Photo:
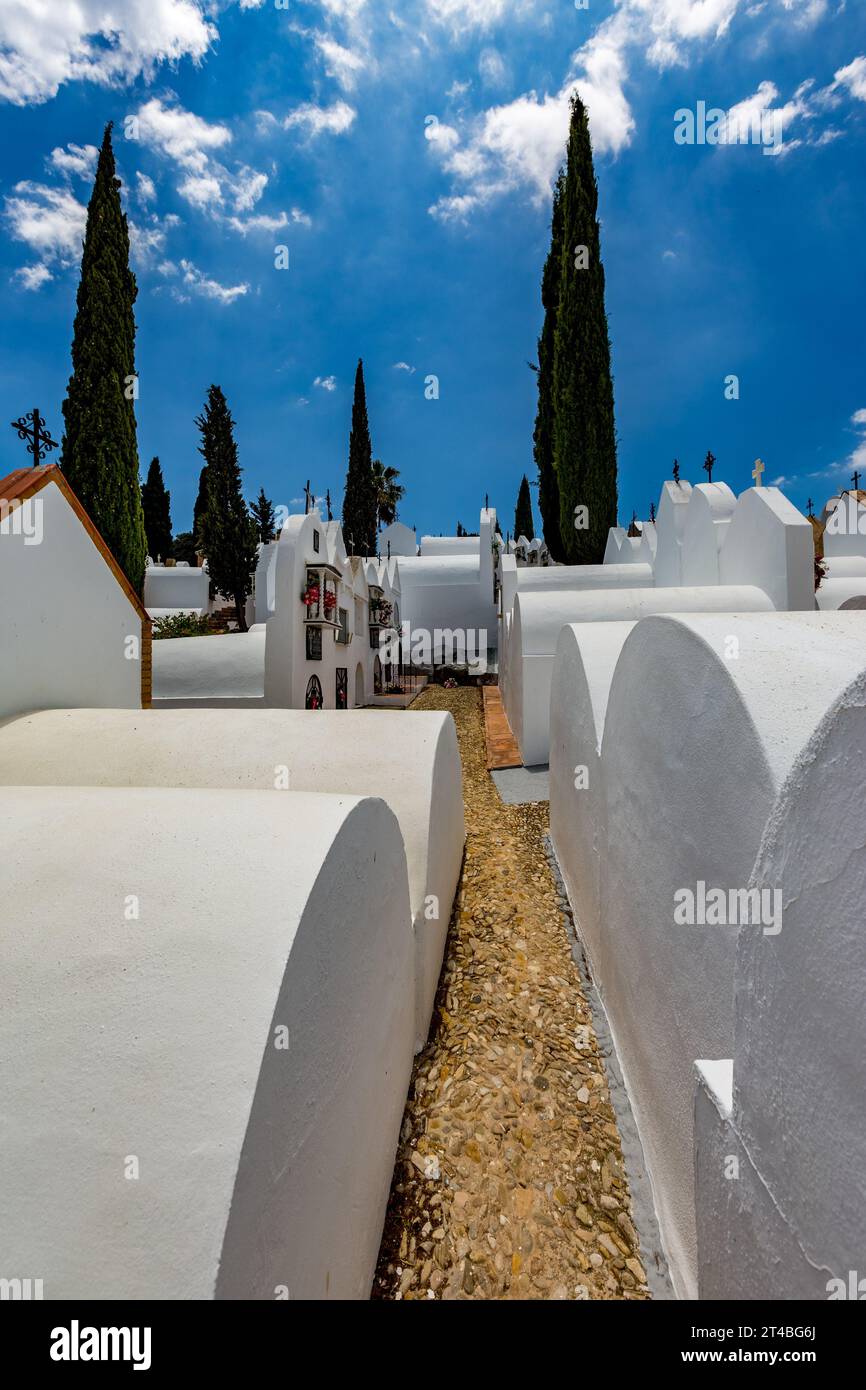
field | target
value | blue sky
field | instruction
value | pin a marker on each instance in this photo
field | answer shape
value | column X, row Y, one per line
column 403, row 154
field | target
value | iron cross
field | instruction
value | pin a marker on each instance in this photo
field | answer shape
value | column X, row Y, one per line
column 708, row 465
column 41, row 442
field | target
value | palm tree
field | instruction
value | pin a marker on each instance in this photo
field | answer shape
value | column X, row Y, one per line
column 388, row 493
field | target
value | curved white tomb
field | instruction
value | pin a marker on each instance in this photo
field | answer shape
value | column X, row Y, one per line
column 793, row 1225
column 201, row 1100
column 586, row 657
column 538, row 619
column 705, row 717
column 411, row 761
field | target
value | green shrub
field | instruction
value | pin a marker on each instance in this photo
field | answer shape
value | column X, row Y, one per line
column 181, row 625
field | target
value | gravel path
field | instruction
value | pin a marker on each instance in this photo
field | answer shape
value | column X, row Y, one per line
column 509, row 1180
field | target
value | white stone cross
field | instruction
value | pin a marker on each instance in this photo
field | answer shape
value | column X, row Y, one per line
column 758, row 470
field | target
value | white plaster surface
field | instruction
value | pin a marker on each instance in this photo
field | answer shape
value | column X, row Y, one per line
column 539, row 617
column 796, row 1219
column 222, row 666
column 65, row 622
column 258, row 1167
column 696, row 745
column 670, row 528
column 176, row 587
column 771, row 544
column 585, row 661
column 834, row 592
column 711, row 507
column 411, row 761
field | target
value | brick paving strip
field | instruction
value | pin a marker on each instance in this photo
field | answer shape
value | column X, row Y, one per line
column 509, row 1181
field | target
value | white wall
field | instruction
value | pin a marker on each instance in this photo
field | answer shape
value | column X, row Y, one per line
column 65, row 622
column 698, row 737
column 795, row 1219
column 539, row 617
column 259, row 1166
column 771, row 544
column 176, row 587
column 411, row 762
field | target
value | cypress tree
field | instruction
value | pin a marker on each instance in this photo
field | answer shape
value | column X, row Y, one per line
column 548, row 488
column 228, row 531
column 156, row 505
column 99, row 454
column 584, row 430
column 263, row 515
column 523, row 525
column 200, row 508
column 359, row 500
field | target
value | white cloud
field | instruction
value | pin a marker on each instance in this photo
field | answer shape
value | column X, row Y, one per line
column 202, row 285
column 341, row 63
column 75, row 159
column 31, row 277
column 180, row 135
column 326, row 383
column 854, row 78
column 203, row 191
column 44, row 44
column 265, row 222
column 462, row 15
column 859, row 418
column 248, row 189
column 145, row 188
column 439, row 134
column 404, row 367
column 491, row 68
column 51, row 221
column 318, row 120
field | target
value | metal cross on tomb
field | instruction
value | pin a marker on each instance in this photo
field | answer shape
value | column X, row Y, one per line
column 328, row 504
column 307, row 498
column 676, row 471
column 856, row 481
column 30, row 427
column 809, row 507
column 758, row 470
column 708, row 465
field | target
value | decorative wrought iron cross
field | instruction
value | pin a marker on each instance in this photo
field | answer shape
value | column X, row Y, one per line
column 856, row 481
column 328, row 504
column 30, row 427
column 676, row 471
column 307, row 498
column 652, row 511
column 809, row 505
column 708, row 465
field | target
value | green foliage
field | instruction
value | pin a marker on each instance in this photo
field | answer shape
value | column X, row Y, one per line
column 389, row 493
column 264, row 516
column 183, row 547
column 181, row 625
column 359, row 500
column 99, row 454
column 523, row 525
column 548, row 487
column 584, row 431
column 228, row 531
column 156, row 505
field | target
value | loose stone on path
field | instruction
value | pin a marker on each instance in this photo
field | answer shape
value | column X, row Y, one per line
column 509, row 1181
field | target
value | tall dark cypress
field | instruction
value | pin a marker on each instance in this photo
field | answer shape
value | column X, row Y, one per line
column 156, row 505
column 548, row 488
column 200, row 507
column 584, row 429
column 100, row 453
column 359, row 500
column 523, row 525
column 262, row 513
column 228, row 531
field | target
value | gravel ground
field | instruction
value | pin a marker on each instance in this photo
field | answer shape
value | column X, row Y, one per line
column 509, row 1180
